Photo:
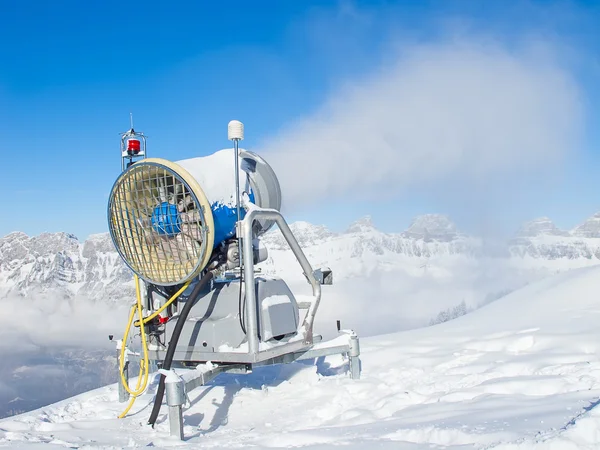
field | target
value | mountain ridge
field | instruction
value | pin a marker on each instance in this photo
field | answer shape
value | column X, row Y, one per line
column 60, row 262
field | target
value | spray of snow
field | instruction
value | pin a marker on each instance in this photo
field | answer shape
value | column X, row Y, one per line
column 465, row 112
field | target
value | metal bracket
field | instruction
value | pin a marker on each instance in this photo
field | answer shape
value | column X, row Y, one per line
column 324, row 275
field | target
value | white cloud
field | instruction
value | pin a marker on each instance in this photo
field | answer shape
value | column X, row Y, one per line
column 54, row 347
column 375, row 297
column 474, row 112
column 49, row 320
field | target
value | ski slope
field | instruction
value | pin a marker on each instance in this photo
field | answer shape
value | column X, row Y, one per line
column 520, row 373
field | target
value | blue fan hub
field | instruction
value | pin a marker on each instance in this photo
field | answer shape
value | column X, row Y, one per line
column 166, row 219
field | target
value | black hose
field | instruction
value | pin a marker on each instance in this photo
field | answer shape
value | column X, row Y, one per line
column 160, row 392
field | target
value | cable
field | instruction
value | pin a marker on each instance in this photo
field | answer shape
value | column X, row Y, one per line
column 160, row 392
column 143, row 374
column 163, row 307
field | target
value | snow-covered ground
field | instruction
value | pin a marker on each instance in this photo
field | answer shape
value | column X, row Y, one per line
column 522, row 372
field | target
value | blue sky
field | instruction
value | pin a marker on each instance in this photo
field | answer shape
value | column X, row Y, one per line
column 70, row 73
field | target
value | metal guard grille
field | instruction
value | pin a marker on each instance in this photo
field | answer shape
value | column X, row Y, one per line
column 157, row 224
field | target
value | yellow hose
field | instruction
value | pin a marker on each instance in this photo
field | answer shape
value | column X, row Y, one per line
column 163, row 307
column 144, row 372
column 132, row 400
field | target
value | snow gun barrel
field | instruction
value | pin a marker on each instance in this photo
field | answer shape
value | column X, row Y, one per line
column 165, row 218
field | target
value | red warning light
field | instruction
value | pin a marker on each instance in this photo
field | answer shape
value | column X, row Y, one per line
column 133, row 146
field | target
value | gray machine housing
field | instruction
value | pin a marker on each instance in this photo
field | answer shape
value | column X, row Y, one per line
column 214, row 323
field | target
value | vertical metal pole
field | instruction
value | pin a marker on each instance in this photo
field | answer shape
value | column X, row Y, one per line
column 237, row 177
column 237, row 199
column 123, row 394
column 176, row 421
column 122, row 157
column 152, row 365
column 235, row 133
column 354, row 357
column 175, row 399
column 252, row 322
column 175, row 390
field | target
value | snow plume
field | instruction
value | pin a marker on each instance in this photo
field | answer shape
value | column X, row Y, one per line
column 464, row 112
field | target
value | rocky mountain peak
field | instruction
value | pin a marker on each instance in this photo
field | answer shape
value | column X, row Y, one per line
column 15, row 235
column 50, row 243
column 590, row 228
column 101, row 243
column 18, row 245
column 538, row 227
column 13, row 246
column 59, row 262
column 437, row 227
column 306, row 234
column 361, row 225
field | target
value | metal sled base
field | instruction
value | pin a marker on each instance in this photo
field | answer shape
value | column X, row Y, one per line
column 182, row 381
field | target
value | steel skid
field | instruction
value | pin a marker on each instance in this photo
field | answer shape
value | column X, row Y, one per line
column 304, row 345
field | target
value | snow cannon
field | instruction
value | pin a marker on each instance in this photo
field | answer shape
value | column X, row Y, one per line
column 191, row 231
column 166, row 218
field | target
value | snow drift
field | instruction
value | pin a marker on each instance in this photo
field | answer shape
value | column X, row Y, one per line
column 522, row 372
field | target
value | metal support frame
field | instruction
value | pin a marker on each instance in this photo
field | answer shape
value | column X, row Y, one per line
column 306, row 328
column 303, row 346
column 304, row 337
column 179, row 385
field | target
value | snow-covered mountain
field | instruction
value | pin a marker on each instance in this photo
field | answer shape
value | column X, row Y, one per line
column 60, row 263
column 428, row 235
column 362, row 249
column 542, row 240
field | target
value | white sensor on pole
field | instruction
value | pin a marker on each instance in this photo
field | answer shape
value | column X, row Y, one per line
column 235, row 130
column 235, row 133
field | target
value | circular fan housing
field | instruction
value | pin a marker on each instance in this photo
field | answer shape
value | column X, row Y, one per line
column 159, row 220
